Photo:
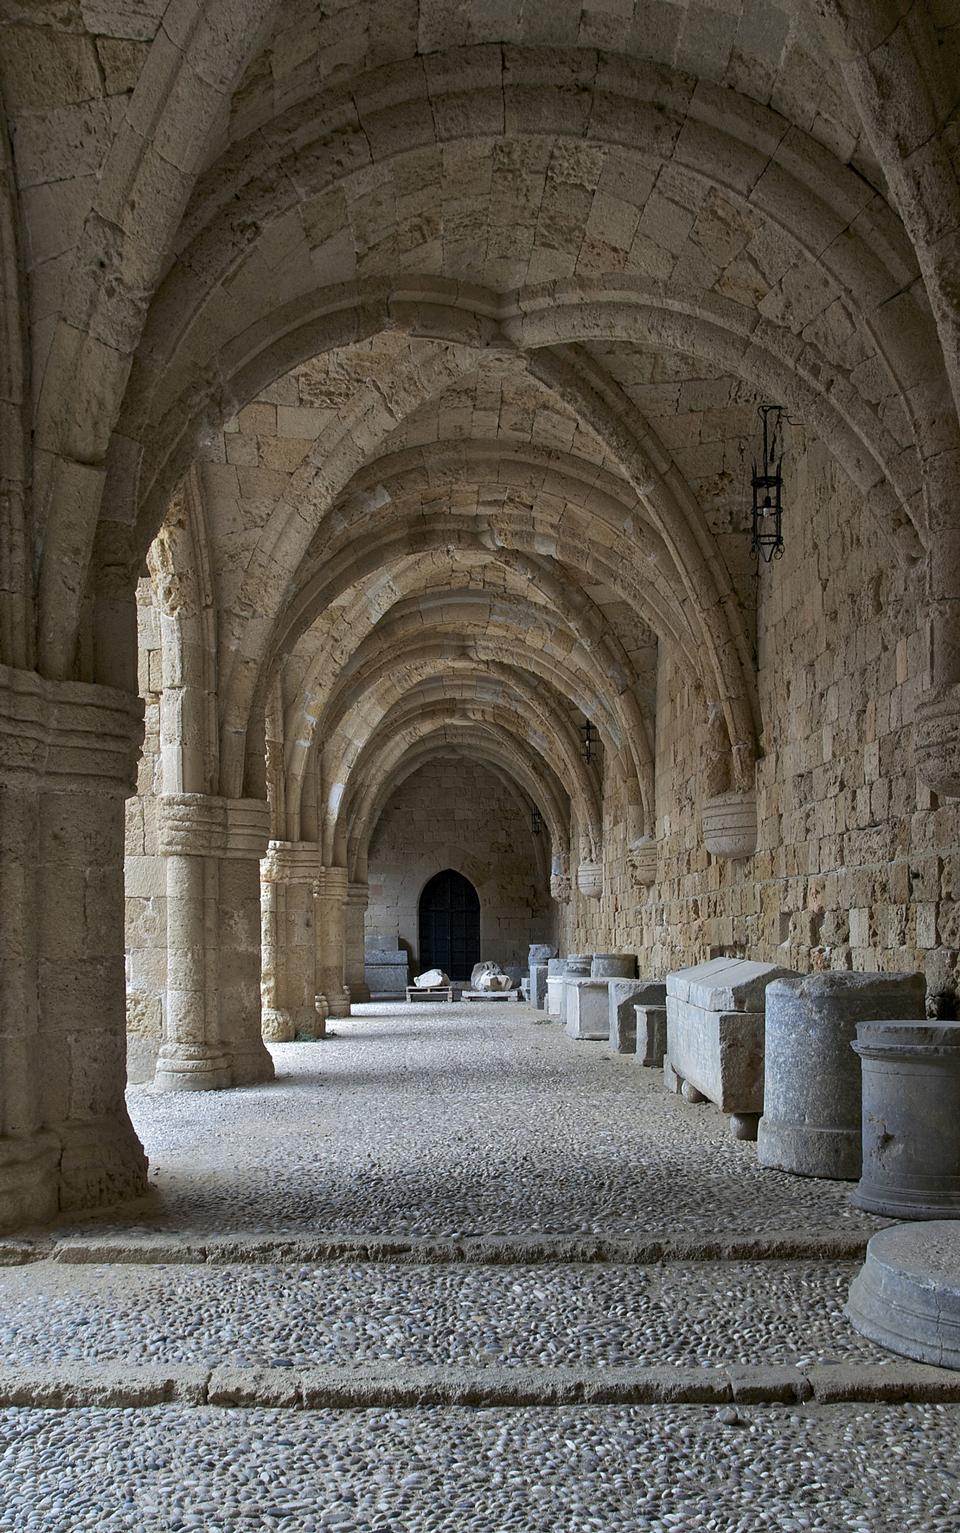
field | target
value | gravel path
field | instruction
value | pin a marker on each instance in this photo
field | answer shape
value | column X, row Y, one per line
column 599, row 1316
column 467, row 1119
column 612, row 1470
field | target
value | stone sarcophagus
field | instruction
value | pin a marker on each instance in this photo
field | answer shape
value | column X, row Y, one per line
column 715, row 1022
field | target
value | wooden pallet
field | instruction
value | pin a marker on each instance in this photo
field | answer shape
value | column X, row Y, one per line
column 490, row 995
column 434, row 993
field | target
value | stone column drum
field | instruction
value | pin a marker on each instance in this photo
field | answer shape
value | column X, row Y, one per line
column 907, row 1293
column 911, row 1119
column 212, row 1013
column 613, row 965
column 289, row 979
column 358, row 897
column 330, row 890
column 68, row 754
column 811, row 1093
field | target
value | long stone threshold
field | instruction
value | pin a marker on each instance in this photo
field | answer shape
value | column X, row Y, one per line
column 75, row 1386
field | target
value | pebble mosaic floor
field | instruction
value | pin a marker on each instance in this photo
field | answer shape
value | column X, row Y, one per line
column 433, row 1123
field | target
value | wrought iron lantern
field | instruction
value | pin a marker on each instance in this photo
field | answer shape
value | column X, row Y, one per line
column 767, row 528
column 588, row 738
column 536, row 821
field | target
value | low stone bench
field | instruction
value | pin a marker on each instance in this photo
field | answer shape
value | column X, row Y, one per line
column 430, row 993
column 624, row 996
column 715, row 1021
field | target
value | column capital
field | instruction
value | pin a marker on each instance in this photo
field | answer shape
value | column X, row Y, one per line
column 291, row 862
column 68, row 736
column 358, row 894
column 331, row 884
column 203, row 825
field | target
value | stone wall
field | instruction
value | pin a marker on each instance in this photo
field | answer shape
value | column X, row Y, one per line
column 458, row 814
column 858, row 865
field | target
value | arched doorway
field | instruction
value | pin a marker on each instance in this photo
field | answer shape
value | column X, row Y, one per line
column 449, row 924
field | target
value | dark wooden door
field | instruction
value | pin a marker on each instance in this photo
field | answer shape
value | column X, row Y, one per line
column 449, row 925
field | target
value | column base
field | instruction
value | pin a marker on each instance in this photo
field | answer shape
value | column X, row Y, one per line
column 337, row 1002
column 102, row 1162
column 29, row 1179
column 278, row 1024
column 250, row 1067
column 191, row 1067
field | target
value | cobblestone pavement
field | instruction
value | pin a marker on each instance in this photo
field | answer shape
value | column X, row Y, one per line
column 826, row 1469
column 465, row 1119
column 440, row 1125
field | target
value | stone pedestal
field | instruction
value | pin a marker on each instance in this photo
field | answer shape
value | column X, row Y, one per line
column 911, row 1119
column 212, row 1013
column 613, row 965
column 651, row 1036
column 68, row 754
column 554, row 997
column 358, row 895
column 715, row 1035
column 623, row 997
column 576, row 966
column 587, row 1014
column 538, row 985
column 289, row 977
column 330, row 890
column 907, row 1294
column 812, row 1091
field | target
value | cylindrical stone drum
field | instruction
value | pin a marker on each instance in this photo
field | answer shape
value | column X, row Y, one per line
column 578, row 966
column 911, row 1119
column 613, row 966
column 811, row 1086
column 556, row 967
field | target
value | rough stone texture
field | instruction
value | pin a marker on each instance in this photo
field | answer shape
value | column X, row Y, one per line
column 911, row 1128
column 812, row 1091
column 613, row 965
column 907, row 1294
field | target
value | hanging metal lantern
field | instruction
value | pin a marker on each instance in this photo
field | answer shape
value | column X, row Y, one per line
column 536, row 821
column 767, row 528
column 588, row 738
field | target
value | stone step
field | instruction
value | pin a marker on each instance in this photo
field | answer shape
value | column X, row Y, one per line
column 454, row 1316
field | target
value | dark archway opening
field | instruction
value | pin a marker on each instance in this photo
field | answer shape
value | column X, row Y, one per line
column 449, row 925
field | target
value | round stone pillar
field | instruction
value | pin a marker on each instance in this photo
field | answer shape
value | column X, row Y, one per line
column 330, row 891
column 358, row 896
column 911, row 1122
column 812, row 1091
column 68, row 754
column 212, row 1028
column 288, row 874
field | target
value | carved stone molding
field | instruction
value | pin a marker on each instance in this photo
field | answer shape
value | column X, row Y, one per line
column 291, row 862
column 590, row 880
column 331, row 884
column 730, row 824
column 68, row 736
column 560, row 887
column 202, row 825
column 937, row 741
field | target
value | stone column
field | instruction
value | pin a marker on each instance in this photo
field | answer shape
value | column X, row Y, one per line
column 68, row 755
column 212, row 1035
column 358, row 896
column 289, row 980
column 331, row 896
